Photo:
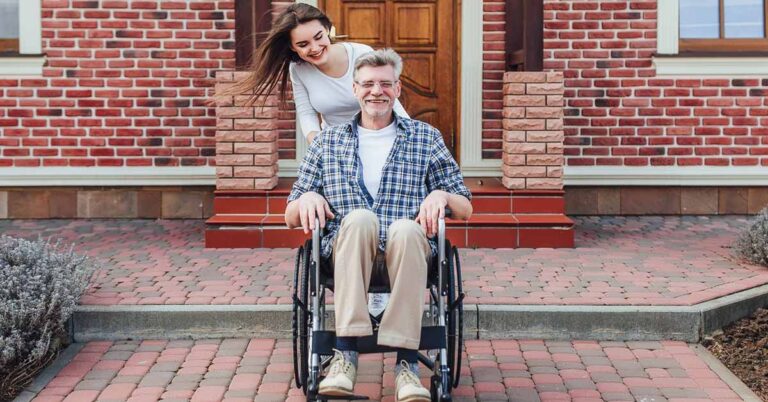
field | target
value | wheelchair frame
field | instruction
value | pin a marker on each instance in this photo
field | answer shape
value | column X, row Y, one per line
column 312, row 343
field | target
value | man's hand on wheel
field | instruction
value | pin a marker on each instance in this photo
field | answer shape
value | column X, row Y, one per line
column 313, row 205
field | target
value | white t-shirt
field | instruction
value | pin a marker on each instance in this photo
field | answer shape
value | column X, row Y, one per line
column 314, row 92
column 375, row 146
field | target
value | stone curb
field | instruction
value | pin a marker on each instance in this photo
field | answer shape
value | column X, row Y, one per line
column 741, row 389
column 44, row 377
column 626, row 323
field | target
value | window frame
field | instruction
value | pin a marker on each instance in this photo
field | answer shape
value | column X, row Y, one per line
column 730, row 45
column 29, row 60
column 669, row 61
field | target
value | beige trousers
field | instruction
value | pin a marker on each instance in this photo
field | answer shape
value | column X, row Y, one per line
column 406, row 255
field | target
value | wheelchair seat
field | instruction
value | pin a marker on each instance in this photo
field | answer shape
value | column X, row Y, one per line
column 379, row 276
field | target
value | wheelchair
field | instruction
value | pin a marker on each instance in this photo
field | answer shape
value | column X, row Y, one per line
column 441, row 341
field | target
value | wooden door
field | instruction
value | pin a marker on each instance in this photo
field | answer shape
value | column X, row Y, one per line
column 423, row 32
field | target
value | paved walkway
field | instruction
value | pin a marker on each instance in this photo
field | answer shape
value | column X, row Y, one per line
column 617, row 261
column 261, row 370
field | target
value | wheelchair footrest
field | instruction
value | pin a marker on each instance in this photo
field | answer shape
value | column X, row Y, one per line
column 323, row 342
column 342, row 398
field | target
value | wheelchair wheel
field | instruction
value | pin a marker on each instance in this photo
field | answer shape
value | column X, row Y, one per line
column 301, row 316
column 455, row 312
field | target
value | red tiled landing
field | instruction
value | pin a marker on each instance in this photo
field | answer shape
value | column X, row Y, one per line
column 626, row 261
column 502, row 219
column 492, row 370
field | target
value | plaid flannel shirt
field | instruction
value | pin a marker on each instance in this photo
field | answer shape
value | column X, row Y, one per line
column 418, row 163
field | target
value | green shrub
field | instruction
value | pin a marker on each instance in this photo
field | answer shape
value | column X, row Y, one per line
column 752, row 244
column 40, row 285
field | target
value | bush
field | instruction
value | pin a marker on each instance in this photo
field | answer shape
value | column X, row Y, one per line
column 752, row 244
column 39, row 287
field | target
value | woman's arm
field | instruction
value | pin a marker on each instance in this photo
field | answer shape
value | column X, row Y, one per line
column 307, row 114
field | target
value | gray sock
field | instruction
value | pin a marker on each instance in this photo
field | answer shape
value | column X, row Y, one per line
column 414, row 367
column 351, row 356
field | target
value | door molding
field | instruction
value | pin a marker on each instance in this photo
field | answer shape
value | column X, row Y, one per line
column 470, row 91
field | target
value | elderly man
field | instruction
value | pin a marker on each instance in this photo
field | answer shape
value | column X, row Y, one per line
column 378, row 183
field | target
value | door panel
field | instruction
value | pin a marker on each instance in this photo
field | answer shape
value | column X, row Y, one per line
column 423, row 32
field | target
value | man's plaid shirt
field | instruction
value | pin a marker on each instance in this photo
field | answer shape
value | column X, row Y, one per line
column 418, row 164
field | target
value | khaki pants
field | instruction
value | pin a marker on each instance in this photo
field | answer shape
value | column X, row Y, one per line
column 406, row 256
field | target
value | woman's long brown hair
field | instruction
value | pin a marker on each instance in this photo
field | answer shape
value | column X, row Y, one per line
column 269, row 66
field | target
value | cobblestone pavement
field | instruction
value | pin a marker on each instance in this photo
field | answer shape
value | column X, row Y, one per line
column 617, row 261
column 261, row 370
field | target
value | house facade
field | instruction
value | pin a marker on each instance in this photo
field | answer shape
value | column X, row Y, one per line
column 630, row 107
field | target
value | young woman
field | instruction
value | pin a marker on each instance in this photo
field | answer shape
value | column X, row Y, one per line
column 299, row 47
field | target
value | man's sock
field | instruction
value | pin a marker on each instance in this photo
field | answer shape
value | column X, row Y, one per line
column 347, row 345
column 411, row 356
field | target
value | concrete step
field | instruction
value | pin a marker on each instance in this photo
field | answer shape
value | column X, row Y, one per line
column 622, row 323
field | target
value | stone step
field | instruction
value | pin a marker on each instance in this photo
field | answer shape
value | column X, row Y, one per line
column 483, row 321
column 488, row 197
column 502, row 218
column 482, row 230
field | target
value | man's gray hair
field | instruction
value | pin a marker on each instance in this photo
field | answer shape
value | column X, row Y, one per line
column 378, row 58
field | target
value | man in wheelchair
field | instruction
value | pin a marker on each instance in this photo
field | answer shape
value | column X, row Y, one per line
column 377, row 184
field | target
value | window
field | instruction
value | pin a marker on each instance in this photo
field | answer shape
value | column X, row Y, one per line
column 9, row 27
column 20, row 38
column 711, row 37
column 723, row 26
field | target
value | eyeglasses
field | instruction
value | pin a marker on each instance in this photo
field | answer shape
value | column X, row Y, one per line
column 381, row 84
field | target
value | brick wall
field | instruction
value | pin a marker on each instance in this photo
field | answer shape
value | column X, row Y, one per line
column 125, row 85
column 619, row 113
column 126, row 82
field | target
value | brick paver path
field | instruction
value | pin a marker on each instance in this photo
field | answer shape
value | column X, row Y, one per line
column 261, row 370
column 618, row 261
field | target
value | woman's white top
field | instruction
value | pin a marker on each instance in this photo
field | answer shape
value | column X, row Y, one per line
column 375, row 146
column 314, row 92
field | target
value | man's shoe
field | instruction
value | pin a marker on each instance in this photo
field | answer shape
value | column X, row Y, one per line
column 341, row 377
column 408, row 386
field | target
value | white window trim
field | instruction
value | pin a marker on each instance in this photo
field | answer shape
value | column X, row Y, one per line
column 668, row 36
column 665, row 176
column 108, row 176
column 30, row 43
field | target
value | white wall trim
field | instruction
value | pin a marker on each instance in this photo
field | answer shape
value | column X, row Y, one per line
column 30, row 27
column 22, row 66
column 471, row 106
column 108, row 176
column 667, row 26
column 665, row 176
column 288, row 167
column 488, row 168
column 728, row 66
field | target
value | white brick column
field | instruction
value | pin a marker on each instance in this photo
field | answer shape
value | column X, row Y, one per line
column 533, row 130
column 246, row 140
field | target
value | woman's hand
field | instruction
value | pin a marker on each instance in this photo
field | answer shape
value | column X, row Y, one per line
column 311, row 136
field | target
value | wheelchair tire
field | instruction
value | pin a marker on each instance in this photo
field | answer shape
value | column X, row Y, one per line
column 455, row 319
column 301, row 316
